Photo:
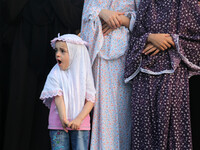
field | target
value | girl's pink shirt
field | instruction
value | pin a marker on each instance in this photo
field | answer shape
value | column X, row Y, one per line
column 55, row 123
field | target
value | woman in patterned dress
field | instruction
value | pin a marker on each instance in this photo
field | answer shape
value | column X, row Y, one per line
column 105, row 27
column 159, row 66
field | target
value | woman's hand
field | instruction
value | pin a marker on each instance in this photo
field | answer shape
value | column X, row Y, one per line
column 75, row 124
column 150, row 48
column 106, row 29
column 161, row 41
column 111, row 18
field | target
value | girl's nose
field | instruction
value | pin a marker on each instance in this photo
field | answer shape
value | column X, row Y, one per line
column 57, row 54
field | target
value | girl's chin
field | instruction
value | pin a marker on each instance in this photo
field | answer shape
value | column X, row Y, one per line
column 62, row 68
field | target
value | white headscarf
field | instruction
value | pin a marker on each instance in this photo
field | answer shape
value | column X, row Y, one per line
column 76, row 84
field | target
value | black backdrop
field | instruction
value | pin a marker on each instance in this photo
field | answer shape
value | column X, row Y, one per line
column 27, row 26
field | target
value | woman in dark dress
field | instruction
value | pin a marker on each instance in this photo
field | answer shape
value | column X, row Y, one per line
column 159, row 70
column 31, row 60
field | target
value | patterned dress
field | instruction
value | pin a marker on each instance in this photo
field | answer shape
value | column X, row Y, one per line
column 160, row 83
column 111, row 125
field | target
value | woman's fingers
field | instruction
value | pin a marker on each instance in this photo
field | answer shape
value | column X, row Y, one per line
column 167, row 35
column 155, row 52
column 150, row 50
column 117, row 22
column 120, row 13
column 104, row 26
column 119, row 19
column 106, row 32
column 111, row 23
column 163, row 46
column 111, row 18
column 148, row 46
column 170, row 41
column 167, row 44
column 106, row 29
column 161, row 41
column 114, row 23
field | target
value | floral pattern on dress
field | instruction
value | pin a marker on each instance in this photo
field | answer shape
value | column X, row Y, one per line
column 111, row 125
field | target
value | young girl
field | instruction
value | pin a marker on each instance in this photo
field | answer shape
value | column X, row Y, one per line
column 69, row 93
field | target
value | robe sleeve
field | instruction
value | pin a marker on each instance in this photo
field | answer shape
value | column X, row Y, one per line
column 90, row 89
column 92, row 23
column 189, row 51
column 51, row 88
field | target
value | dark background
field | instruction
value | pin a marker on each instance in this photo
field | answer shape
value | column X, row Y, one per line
column 26, row 28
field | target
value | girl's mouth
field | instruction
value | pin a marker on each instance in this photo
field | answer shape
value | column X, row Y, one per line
column 59, row 62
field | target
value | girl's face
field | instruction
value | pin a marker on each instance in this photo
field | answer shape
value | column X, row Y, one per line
column 62, row 55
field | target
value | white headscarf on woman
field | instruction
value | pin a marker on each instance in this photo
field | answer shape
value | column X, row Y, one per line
column 76, row 82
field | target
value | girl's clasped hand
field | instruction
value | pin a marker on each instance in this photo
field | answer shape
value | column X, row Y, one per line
column 74, row 124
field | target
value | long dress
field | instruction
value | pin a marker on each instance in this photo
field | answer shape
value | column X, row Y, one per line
column 111, row 117
column 26, row 118
column 160, row 84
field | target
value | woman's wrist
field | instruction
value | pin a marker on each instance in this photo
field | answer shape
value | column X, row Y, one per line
column 149, row 39
column 125, row 21
column 102, row 13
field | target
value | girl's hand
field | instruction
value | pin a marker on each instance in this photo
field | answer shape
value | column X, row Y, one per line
column 106, row 28
column 150, row 48
column 75, row 124
column 65, row 123
column 111, row 18
column 161, row 41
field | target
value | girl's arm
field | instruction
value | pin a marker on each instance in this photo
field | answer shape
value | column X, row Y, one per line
column 61, row 111
column 75, row 124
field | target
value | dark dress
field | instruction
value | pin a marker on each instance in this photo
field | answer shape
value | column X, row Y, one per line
column 160, row 93
column 32, row 58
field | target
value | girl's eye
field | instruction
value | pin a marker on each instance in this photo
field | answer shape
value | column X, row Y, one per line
column 62, row 51
column 56, row 50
